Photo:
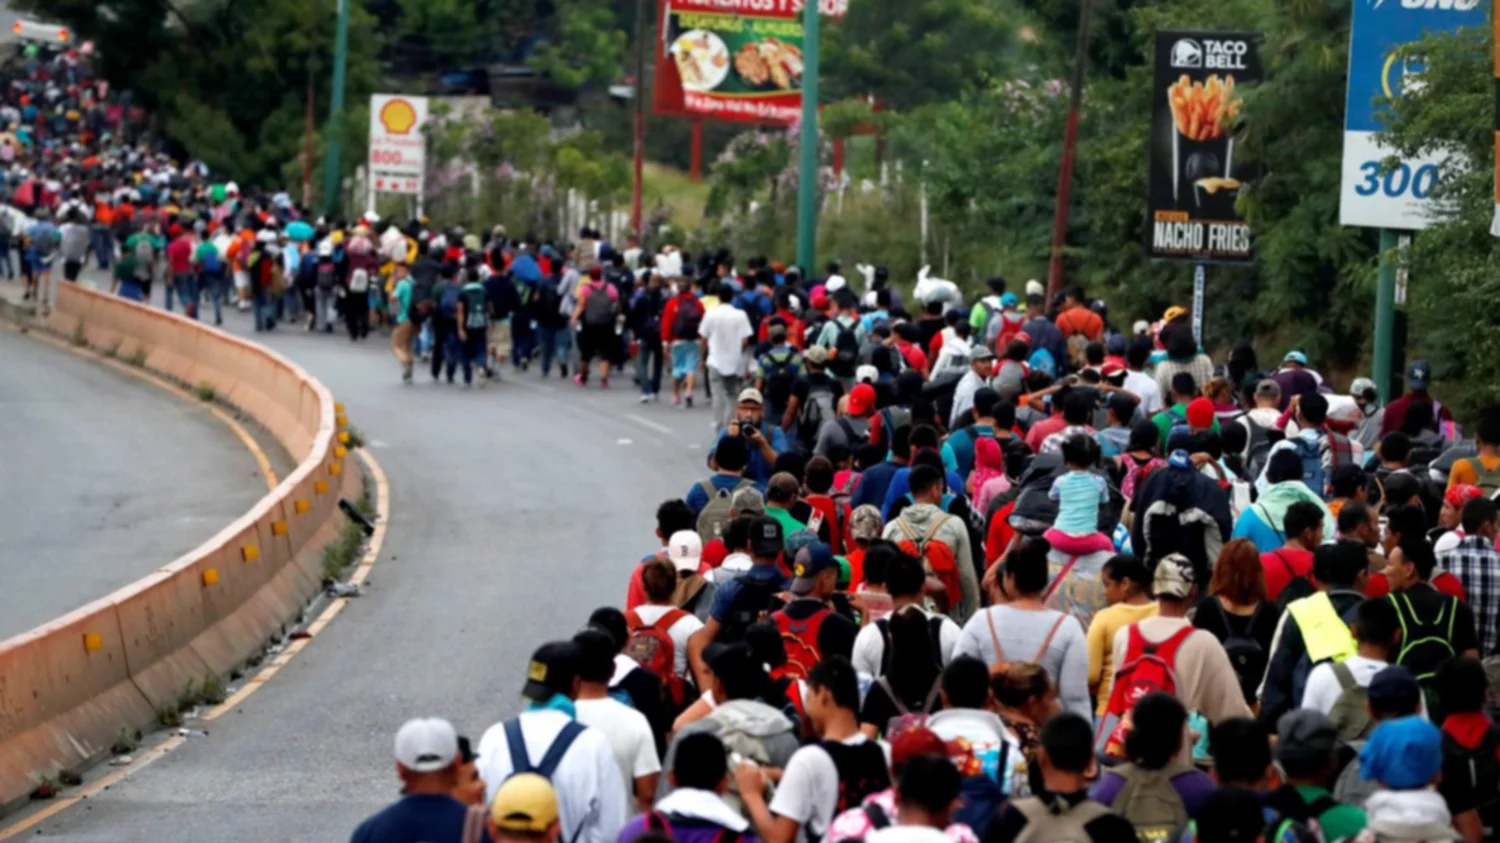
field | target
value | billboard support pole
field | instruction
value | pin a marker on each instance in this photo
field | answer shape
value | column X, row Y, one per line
column 807, row 182
column 638, row 184
column 696, row 167
column 335, row 110
column 1070, row 144
column 1198, row 284
column 1385, row 313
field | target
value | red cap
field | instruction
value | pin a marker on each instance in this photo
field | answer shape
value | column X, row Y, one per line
column 1112, row 369
column 820, row 301
column 1023, row 337
column 861, row 399
column 1200, row 414
column 919, row 740
column 175, row 230
column 596, row 272
column 1457, row 496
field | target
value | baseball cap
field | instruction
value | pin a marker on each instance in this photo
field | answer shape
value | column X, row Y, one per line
column 751, row 395
column 765, row 536
column 1295, row 357
column 685, row 549
column 865, row 523
column 1200, row 414
column 1111, row 369
column 1268, row 389
column 866, row 374
column 747, row 501
column 553, row 668
column 811, row 561
column 1173, row 312
column 1419, row 374
column 918, row 740
column 1402, row 754
column 820, row 301
column 1460, row 494
column 1394, row 688
column 817, row 355
column 426, row 745
column 1140, row 328
column 982, row 353
column 861, row 399
column 1009, row 300
column 1306, row 734
column 1035, row 288
column 524, row 803
column 1174, row 577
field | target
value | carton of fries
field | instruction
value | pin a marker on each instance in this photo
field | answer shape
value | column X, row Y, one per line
column 1203, row 112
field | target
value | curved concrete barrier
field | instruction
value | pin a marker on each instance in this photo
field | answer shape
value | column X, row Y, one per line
column 69, row 688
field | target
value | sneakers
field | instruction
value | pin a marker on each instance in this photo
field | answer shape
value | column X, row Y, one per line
column 406, row 373
column 562, row 368
column 689, row 400
column 676, row 400
column 645, row 397
column 578, row 379
column 604, row 383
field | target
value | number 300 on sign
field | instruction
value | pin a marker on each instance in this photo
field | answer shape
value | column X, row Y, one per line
column 1399, row 181
column 385, row 156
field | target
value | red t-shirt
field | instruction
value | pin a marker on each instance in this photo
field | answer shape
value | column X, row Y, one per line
column 833, row 517
column 1042, row 429
column 180, row 255
column 1284, row 565
column 1379, row 586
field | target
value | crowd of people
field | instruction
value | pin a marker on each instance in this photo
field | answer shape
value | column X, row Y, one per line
column 957, row 570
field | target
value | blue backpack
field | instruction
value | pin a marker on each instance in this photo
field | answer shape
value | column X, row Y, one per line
column 448, row 300
column 1311, row 454
column 212, row 263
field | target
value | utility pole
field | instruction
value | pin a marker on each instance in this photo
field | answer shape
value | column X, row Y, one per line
column 638, row 187
column 335, row 110
column 1385, row 314
column 807, row 182
column 1070, row 144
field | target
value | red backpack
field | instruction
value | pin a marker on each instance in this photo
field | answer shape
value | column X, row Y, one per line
column 800, row 638
column 936, row 556
column 651, row 647
column 1147, row 668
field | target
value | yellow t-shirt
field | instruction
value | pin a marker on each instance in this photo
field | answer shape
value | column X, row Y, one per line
column 1101, row 641
column 1465, row 472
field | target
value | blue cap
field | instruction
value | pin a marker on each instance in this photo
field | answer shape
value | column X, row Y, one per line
column 1009, row 300
column 1295, row 357
column 810, row 562
column 1402, row 754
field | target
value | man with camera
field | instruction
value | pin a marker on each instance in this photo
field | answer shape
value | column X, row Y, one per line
column 763, row 441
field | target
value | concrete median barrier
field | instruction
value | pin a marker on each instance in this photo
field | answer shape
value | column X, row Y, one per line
column 71, row 688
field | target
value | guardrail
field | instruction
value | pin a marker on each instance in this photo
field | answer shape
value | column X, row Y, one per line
column 70, row 687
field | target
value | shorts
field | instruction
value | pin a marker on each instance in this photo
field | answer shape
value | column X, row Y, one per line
column 685, row 357
column 500, row 341
column 596, row 343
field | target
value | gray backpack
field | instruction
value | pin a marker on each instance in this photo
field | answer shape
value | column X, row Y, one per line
column 1150, row 802
column 1350, row 713
column 1044, row 826
column 715, row 517
column 1352, row 788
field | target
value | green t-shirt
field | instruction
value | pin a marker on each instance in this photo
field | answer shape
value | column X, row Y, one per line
column 401, row 300
column 1338, row 823
column 1171, row 417
column 789, row 523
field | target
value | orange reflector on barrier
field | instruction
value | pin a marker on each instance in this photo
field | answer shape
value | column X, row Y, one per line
column 250, row 552
column 301, row 506
column 338, row 408
column 335, row 468
column 344, row 437
column 93, row 642
column 278, row 528
column 320, row 486
column 340, row 451
column 343, row 420
column 210, row 576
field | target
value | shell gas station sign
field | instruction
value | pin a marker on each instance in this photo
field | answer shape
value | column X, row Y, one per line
column 398, row 149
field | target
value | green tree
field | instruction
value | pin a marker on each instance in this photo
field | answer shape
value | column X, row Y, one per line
column 585, row 46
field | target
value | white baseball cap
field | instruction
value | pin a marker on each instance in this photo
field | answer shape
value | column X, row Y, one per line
column 426, row 745
column 866, row 374
column 685, row 549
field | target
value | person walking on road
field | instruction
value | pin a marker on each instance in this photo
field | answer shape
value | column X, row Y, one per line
column 427, row 761
column 401, row 316
column 594, row 319
column 726, row 334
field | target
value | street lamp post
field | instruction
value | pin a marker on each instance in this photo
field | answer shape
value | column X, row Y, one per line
column 807, row 181
column 335, row 108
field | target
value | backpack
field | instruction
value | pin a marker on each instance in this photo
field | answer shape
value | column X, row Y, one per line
column 800, row 638
column 845, row 357
column 891, row 418
column 598, row 306
column 715, row 516
column 1488, row 481
column 1425, row 644
column 1147, row 668
column 1350, row 714
column 476, row 312
column 934, row 629
column 211, row 262
column 937, row 557
column 862, row 771
column 688, row 320
column 1311, row 454
column 359, row 281
column 1298, row 587
column 46, row 241
column 327, row 277
column 749, row 605
column 855, row 438
column 1077, row 350
column 145, row 252
column 520, row 762
column 1044, row 826
column 448, row 300
column 1480, row 768
column 665, row 826
column 651, row 647
column 1150, row 802
column 780, row 377
column 1246, row 654
column 1001, row 660
column 1190, row 532
column 819, row 407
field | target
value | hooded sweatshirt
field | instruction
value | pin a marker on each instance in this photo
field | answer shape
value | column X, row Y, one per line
column 751, row 728
column 1409, row 815
column 695, row 816
column 1262, row 522
column 919, row 519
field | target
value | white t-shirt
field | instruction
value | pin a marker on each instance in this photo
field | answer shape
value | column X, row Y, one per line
column 726, row 328
column 1145, row 386
column 679, row 632
column 809, row 789
column 869, row 645
column 590, row 795
column 1322, row 689
column 629, row 736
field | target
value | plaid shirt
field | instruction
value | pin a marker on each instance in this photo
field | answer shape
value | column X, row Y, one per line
column 1476, row 563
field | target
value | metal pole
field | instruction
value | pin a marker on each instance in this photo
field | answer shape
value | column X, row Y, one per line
column 696, row 167
column 335, row 109
column 307, row 145
column 807, row 183
column 1070, row 143
column 1198, row 273
column 1385, row 313
column 638, row 185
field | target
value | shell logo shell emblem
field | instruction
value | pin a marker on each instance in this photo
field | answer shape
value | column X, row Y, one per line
column 398, row 117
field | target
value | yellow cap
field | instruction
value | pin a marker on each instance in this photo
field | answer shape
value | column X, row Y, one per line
column 524, row 803
column 1173, row 312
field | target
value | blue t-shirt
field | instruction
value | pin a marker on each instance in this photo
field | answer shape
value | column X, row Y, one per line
column 874, row 483
column 759, row 470
column 901, row 486
column 724, row 596
column 1078, row 495
column 420, row 818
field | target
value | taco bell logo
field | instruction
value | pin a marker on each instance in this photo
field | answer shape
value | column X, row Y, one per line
column 1187, row 53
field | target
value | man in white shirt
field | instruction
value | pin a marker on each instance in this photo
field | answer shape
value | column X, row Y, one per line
column 1377, row 632
column 547, row 740
column 981, row 369
column 816, row 786
column 659, row 616
column 629, row 735
column 904, row 580
column 725, row 332
column 1140, row 383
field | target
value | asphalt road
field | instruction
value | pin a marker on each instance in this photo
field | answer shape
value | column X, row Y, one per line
column 104, row 479
column 517, row 510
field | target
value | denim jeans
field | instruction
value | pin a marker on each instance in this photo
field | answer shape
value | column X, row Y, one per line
column 186, row 285
column 648, row 363
column 554, row 343
column 265, row 315
column 322, row 307
column 102, row 244
column 725, row 390
column 524, row 336
column 213, row 284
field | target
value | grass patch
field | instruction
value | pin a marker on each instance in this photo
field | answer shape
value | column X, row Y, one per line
column 127, row 740
column 340, row 553
column 675, row 189
column 137, row 358
column 356, row 438
column 204, row 390
column 112, row 352
column 211, row 690
column 169, row 717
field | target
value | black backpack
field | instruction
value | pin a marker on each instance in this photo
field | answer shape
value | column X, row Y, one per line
column 1296, row 588
column 934, row 629
column 689, row 318
column 751, row 603
column 1425, row 642
column 845, row 358
column 1479, row 772
column 861, row 769
column 781, row 378
column 1245, row 652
